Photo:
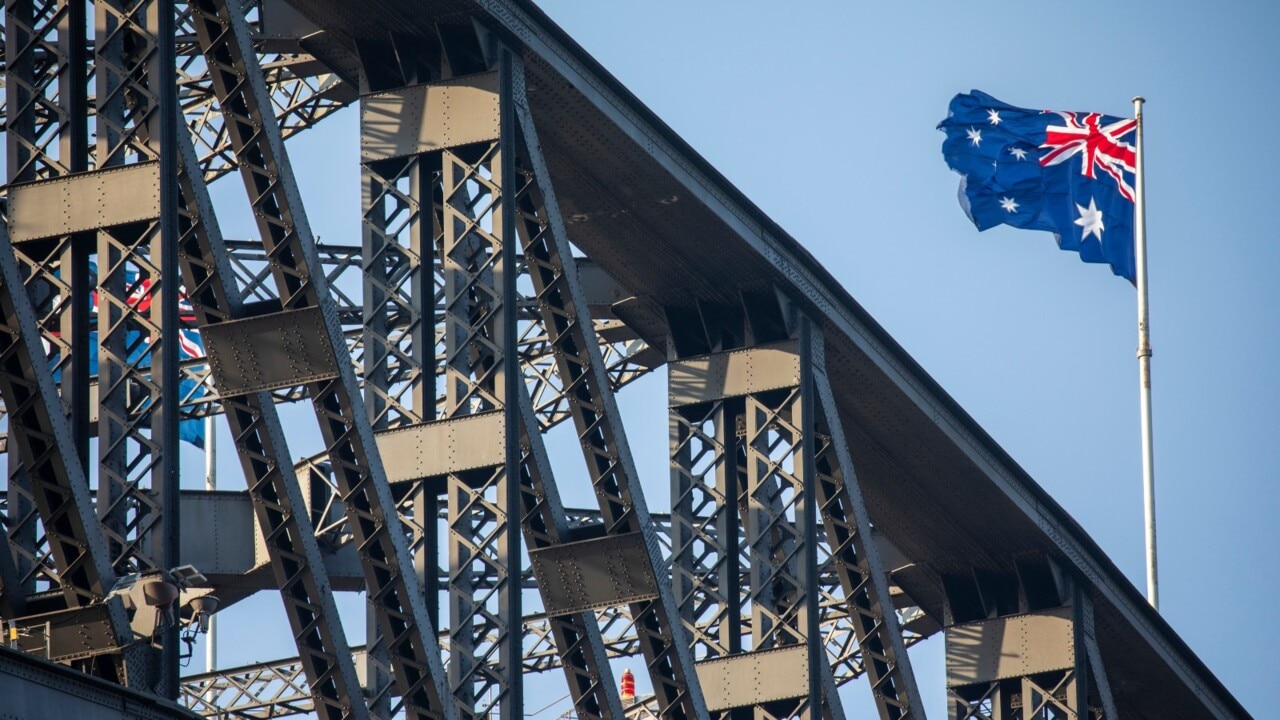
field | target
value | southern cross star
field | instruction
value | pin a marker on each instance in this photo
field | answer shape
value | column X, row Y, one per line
column 975, row 136
column 993, row 116
column 1018, row 153
column 1009, row 204
column 1090, row 220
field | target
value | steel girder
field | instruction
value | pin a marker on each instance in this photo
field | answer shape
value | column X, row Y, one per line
column 260, row 443
column 136, row 297
column 541, row 368
column 1023, row 647
column 469, row 226
column 301, row 285
column 46, row 135
column 56, row 479
column 744, row 506
column 589, row 397
column 137, row 292
column 856, row 560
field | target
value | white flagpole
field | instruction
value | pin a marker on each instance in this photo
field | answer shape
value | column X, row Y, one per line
column 1144, row 365
column 211, row 484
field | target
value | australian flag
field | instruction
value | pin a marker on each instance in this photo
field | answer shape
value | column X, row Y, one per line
column 1071, row 173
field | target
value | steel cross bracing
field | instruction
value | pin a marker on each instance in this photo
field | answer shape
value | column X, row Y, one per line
column 45, row 90
column 135, row 298
column 56, row 480
column 743, row 503
column 464, row 303
column 300, row 282
column 589, row 396
column 399, row 292
column 280, row 686
column 272, row 485
column 49, row 61
column 856, row 560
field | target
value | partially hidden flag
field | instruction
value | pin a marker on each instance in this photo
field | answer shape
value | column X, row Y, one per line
column 138, row 348
column 190, row 347
column 1070, row 173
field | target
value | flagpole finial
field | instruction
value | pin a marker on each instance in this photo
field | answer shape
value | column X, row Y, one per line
column 1139, row 99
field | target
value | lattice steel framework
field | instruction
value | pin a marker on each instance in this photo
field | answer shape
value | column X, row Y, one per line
column 467, row 305
column 301, row 286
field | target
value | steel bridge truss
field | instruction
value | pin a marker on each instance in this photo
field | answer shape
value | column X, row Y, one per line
column 436, row 354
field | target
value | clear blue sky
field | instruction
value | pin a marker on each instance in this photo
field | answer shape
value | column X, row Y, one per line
column 825, row 117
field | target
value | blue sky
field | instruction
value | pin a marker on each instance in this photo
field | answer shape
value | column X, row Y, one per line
column 825, row 117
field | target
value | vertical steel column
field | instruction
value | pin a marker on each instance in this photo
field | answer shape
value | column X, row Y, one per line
column 136, row 298
column 481, row 374
column 279, row 507
column 398, row 352
column 781, row 528
column 46, row 137
column 300, row 281
column 858, row 565
column 706, row 490
column 595, row 414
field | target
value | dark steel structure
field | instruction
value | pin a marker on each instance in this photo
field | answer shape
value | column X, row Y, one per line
column 534, row 240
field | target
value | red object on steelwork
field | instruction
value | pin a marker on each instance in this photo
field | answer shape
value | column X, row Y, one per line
column 628, row 686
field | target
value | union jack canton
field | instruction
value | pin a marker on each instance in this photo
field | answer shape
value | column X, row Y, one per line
column 1071, row 173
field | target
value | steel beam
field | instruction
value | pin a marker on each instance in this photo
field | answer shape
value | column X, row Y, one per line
column 857, row 561
column 848, row 324
column 46, row 137
column 58, row 486
column 481, row 373
column 300, row 283
column 595, row 414
column 34, row 688
column 287, row 532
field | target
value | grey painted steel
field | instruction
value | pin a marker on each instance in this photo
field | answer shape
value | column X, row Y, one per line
column 443, row 447
column 599, row 425
column 72, row 634
column 220, row 535
column 419, row 119
column 481, row 373
column 1009, row 647
column 84, row 201
column 36, row 64
column 12, row 597
column 34, row 689
column 1096, row 666
column 593, row 574
column 300, row 282
column 840, row 313
column 733, row 374
column 575, row 632
column 758, row 465
column 755, row 678
column 58, row 486
column 46, row 95
column 859, row 566
column 269, row 352
column 277, row 500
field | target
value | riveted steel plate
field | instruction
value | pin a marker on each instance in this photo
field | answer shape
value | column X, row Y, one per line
column 591, row 574
column 268, row 352
column 1010, row 647
column 443, row 447
column 755, row 677
column 84, row 201
column 734, row 374
column 425, row 118
column 219, row 533
column 67, row 635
